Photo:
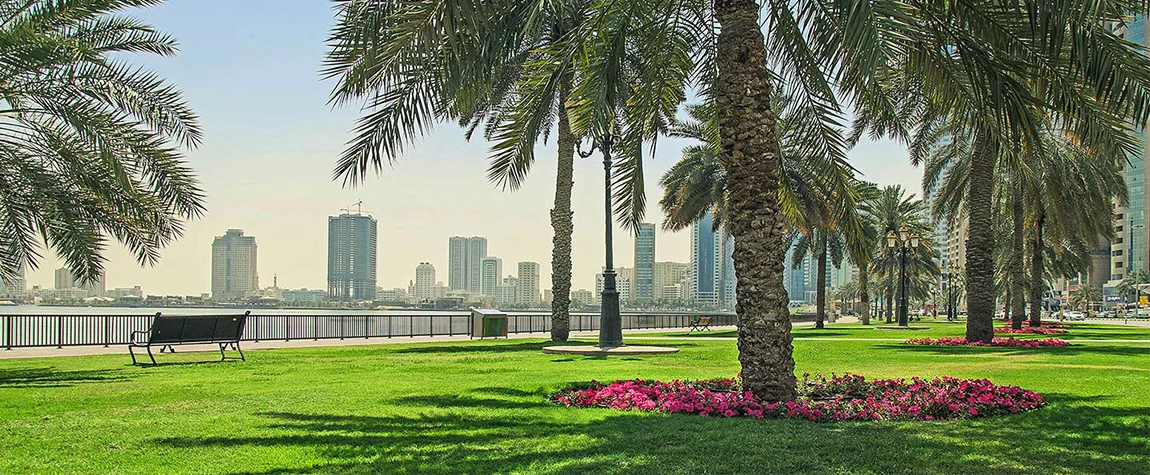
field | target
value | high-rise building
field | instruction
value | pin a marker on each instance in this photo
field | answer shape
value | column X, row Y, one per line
column 66, row 280
column 351, row 257
column 669, row 273
column 14, row 287
column 584, row 297
column 464, row 258
column 794, row 277
column 527, row 288
column 727, row 271
column 644, row 263
column 508, row 292
column 1130, row 247
column 233, row 265
column 491, row 271
column 623, row 285
column 424, row 281
column 706, row 262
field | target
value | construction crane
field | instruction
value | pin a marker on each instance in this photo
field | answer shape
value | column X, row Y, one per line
column 358, row 208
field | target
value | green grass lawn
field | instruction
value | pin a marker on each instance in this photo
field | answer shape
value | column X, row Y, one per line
column 480, row 407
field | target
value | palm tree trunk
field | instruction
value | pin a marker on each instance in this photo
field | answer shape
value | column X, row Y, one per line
column 750, row 154
column 821, row 290
column 561, row 224
column 1017, row 273
column 864, row 295
column 1037, row 283
column 980, row 243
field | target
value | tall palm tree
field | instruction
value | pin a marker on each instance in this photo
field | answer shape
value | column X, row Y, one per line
column 820, row 208
column 1063, row 63
column 889, row 209
column 88, row 141
column 1133, row 284
column 421, row 63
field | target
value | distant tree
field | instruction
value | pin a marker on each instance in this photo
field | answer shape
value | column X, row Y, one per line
column 88, row 141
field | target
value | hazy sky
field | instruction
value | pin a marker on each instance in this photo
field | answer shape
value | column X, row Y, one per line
column 249, row 69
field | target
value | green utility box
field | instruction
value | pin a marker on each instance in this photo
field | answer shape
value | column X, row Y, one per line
column 488, row 323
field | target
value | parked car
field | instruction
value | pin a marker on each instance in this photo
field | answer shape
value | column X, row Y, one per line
column 1073, row 315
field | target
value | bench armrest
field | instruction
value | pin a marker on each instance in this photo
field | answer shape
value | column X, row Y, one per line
column 139, row 332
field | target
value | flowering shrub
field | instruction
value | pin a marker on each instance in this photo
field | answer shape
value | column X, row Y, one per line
column 840, row 398
column 1043, row 330
column 960, row 341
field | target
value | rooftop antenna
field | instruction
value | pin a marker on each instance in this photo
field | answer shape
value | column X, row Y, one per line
column 358, row 208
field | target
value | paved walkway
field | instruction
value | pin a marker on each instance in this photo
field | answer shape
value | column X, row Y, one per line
column 45, row 352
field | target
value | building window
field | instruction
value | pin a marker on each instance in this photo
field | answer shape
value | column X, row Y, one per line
column 1118, row 217
column 1117, row 229
column 1116, row 253
column 1118, row 264
column 1117, row 240
column 1116, row 277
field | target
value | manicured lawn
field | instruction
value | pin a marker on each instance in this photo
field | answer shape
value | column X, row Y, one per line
column 480, row 407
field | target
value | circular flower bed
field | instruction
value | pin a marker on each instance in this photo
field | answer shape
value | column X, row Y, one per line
column 1012, row 342
column 839, row 398
column 1032, row 330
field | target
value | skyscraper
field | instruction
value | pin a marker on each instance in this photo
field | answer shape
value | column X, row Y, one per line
column 65, row 280
column 491, row 270
column 644, row 283
column 233, row 265
column 14, row 287
column 1130, row 248
column 424, row 281
column 706, row 264
column 727, row 271
column 668, row 274
column 464, row 259
column 527, row 286
column 351, row 257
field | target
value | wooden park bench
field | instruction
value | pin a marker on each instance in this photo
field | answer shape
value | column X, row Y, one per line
column 702, row 324
column 168, row 330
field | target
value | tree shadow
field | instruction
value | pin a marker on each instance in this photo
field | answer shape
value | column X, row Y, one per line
column 485, row 348
column 487, row 435
column 49, row 377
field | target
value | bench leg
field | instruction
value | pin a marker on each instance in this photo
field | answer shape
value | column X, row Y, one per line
column 150, row 355
column 222, row 355
column 236, row 345
column 130, row 352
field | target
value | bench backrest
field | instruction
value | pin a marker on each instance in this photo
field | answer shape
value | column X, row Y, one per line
column 200, row 328
column 704, row 321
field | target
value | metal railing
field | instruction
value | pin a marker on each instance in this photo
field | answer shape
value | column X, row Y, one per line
column 22, row 331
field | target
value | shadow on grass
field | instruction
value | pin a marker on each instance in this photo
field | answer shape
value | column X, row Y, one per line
column 49, row 377
column 483, row 348
column 484, row 435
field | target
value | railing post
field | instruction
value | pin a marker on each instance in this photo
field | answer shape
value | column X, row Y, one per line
column 411, row 326
column 389, row 319
column 8, row 323
column 342, row 327
column 366, row 333
column 315, row 327
column 107, row 330
column 60, row 331
column 450, row 325
column 287, row 328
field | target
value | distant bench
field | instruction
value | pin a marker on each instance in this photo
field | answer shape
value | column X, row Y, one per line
column 168, row 330
column 701, row 324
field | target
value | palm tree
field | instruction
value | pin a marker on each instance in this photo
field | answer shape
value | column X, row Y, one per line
column 955, row 74
column 1086, row 295
column 1133, row 284
column 88, row 141
column 812, row 201
column 889, row 209
column 421, row 63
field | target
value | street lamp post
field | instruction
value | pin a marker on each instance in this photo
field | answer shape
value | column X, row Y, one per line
column 905, row 242
column 610, row 322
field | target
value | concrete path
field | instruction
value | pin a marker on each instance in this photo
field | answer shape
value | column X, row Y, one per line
column 45, row 352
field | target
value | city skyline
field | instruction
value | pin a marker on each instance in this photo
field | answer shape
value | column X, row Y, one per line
column 265, row 167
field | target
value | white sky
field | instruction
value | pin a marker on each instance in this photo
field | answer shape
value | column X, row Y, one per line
column 250, row 70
